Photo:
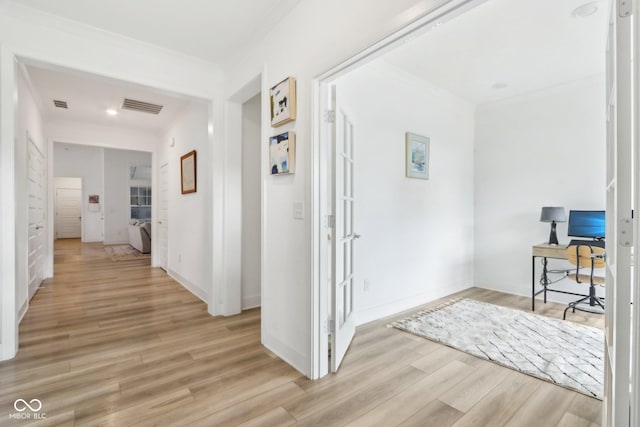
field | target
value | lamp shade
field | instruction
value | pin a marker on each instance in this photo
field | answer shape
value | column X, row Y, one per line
column 552, row 213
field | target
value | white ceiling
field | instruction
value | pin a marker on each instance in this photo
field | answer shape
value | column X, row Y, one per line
column 88, row 98
column 526, row 44
column 209, row 29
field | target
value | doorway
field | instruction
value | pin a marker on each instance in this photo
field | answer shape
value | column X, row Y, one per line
column 36, row 177
column 251, row 183
column 469, row 135
column 68, row 208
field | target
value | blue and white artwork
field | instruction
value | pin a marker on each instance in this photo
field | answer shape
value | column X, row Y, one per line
column 282, row 153
column 417, row 156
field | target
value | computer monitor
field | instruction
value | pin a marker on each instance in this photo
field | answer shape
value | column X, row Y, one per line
column 589, row 224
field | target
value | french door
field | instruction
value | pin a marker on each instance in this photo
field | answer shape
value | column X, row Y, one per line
column 621, row 174
column 344, row 236
column 163, row 216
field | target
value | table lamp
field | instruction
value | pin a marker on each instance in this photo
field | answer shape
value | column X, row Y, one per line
column 553, row 215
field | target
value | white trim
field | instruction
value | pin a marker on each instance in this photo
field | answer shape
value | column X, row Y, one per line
column 23, row 310
column 635, row 310
column 199, row 292
column 378, row 312
column 8, row 107
column 286, row 353
column 318, row 202
column 251, row 302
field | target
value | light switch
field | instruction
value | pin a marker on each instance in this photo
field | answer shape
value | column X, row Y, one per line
column 298, row 210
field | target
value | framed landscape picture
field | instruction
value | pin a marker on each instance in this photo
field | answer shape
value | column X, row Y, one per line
column 188, row 172
column 283, row 102
column 417, row 156
column 282, row 153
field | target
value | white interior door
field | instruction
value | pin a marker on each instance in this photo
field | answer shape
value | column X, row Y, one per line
column 344, row 237
column 36, row 178
column 163, row 216
column 68, row 206
column 620, row 174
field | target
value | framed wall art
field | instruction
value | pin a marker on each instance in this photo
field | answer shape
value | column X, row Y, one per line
column 282, row 153
column 283, row 102
column 417, row 156
column 188, row 172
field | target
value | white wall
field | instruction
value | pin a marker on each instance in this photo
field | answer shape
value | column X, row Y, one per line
column 542, row 149
column 80, row 161
column 85, row 133
column 189, row 257
column 251, row 183
column 117, row 206
column 287, row 275
column 417, row 235
column 29, row 120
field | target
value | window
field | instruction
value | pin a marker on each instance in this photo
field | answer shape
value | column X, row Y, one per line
column 140, row 200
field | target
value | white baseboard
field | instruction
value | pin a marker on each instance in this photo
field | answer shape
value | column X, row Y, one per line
column 370, row 314
column 250, row 302
column 298, row 361
column 197, row 291
column 23, row 311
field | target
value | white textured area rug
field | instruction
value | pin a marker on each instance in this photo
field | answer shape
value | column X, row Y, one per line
column 561, row 352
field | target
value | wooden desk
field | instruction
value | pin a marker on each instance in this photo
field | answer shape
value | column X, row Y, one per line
column 545, row 251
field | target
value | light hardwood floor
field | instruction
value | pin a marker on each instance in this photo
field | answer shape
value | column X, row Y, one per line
column 120, row 343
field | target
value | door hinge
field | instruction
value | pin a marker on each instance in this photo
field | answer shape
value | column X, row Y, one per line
column 625, row 8
column 330, row 116
column 331, row 221
column 329, row 326
column 625, row 232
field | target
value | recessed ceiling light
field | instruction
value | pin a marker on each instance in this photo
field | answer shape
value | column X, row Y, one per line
column 499, row 85
column 112, row 112
column 585, row 10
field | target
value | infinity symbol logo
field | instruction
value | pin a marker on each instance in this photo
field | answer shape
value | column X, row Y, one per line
column 21, row 405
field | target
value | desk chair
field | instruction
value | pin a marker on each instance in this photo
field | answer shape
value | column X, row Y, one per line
column 585, row 256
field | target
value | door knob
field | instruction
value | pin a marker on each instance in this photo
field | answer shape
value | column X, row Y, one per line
column 356, row 236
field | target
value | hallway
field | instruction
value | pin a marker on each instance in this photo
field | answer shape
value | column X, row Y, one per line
column 120, row 343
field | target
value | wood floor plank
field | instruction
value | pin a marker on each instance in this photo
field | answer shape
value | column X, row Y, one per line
column 435, row 413
column 277, row 417
column 549, row 403
column 502, row 402
column 474, row 387
column 405, row 404
column 121, row 343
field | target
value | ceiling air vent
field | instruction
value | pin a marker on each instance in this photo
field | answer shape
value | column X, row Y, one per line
column 145, row 107
column 60, row 104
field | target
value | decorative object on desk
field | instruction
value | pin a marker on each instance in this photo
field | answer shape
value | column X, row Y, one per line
column 417, row 156
column 283, row 102
column 188, row 172
column 282, row 153
column 563, row 353
column 553, row 215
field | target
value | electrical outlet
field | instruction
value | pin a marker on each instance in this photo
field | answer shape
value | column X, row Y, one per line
column 366, row 285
